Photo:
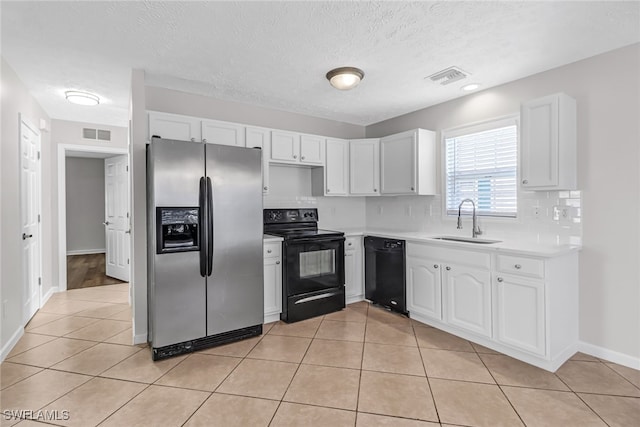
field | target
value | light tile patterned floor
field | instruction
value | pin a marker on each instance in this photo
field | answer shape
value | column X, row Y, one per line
column 359, row 367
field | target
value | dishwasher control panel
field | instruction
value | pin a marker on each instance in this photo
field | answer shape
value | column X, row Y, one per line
column 393, row 244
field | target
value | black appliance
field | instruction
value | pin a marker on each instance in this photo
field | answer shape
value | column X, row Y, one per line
column 384, row 276
column 313, row 263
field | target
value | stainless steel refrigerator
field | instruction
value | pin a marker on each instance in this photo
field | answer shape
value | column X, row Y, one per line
column 205, row 268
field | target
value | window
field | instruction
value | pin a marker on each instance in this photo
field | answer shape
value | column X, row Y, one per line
column 481, row 165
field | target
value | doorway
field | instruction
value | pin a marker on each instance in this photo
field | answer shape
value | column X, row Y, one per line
column 86, row 217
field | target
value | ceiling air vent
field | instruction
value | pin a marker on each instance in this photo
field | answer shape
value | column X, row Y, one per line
column 450, row 75
column 96, row 134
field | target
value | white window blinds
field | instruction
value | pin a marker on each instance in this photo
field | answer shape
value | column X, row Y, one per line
column 481, row 165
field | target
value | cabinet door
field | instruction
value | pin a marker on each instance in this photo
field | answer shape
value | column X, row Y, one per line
column 311, row 150
column 424, row 286
column 354, row 288
column 336, row 167
column 467, row 298
column 364, row 167
column 224, row 133
column 174, row 126
column 519, row 313
column 398, row 164
column 260, row 137
column 539, row 142
column 285, row 146
column 272, row 286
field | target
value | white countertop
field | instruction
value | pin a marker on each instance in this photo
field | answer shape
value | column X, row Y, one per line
column 513, row 245
column 268, row 238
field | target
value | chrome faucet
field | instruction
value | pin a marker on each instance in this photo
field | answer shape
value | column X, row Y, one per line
column 476, row 229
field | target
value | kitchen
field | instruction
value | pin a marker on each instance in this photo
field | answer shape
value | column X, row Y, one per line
column 608, row 263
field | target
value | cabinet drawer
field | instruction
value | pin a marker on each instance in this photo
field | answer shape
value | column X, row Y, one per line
column 271, row 250
column 447, row 255
column 352, row 243
column 520, row 265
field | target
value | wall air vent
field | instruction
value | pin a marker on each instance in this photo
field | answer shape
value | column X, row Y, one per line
column 450, row 75
column 96, row 134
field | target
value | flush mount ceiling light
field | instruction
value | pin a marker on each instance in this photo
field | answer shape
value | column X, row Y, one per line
column 470, row 87
column 81, row 98
column 345, row 78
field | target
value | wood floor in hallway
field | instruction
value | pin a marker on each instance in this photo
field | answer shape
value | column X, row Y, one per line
column 85, row 271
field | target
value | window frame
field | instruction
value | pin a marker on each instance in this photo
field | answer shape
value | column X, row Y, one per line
column 484, row 125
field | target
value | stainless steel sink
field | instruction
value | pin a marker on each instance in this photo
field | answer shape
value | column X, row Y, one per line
column 467, row 240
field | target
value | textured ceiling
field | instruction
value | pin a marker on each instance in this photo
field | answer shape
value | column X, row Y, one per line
column 276, row 54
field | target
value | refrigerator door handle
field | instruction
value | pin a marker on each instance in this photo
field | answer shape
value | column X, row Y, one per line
column 203, row 235
column 209, row 227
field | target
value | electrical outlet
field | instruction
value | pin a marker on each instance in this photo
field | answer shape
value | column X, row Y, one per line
column 535, row 212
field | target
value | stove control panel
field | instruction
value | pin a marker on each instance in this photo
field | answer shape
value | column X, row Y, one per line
column 284, row 216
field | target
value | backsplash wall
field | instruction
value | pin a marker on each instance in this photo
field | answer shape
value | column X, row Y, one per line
column 544, row 216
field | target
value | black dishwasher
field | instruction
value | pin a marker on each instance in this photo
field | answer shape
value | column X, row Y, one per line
column 384, row 275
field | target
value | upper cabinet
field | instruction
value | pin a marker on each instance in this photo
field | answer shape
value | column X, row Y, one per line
column 408, row 163
column 261, row 137
column 364, row 167
column 291, row 147
column 224, row 133
column 174, row 126
column 336, row 170
column 548, row 143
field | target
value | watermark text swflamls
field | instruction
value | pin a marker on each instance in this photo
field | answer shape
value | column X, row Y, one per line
column 42, row 415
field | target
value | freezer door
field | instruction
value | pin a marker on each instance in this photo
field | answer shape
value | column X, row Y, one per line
column 235, row 289
column 177, row 291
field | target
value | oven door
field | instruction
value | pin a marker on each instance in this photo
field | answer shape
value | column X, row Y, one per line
column 313, row 264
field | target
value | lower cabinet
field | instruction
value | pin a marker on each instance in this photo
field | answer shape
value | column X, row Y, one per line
column 272, row 282
column 519, row 313
column 353, row 268
column 467, row 298
column 520, row 305
column 424, row 287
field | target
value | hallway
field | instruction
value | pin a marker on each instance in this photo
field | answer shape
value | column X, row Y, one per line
column 84, row 271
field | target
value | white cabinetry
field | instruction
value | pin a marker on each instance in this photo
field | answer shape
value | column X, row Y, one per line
column 408, row 163
column 333, row 179
column 174, row 126
column 224, row 133
column 548, row 143
column 353, row 265
column 291, row 147
column 424, row 286
column 364, row 167
column 261, row 137
column 467, row 298
column 272, row 281
column 523, row 306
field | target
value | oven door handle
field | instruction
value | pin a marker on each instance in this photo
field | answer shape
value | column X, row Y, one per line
column 314, row 240
column 316, row 297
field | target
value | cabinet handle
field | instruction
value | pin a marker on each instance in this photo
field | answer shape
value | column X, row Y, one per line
column 518, row 266
column 375, row 190
column 266, row 188
column 412, row 189
column 26, row 236
column 193, row 140
column 448, row 268
column 525, row 181
column 268, row 251
column 302, row 158
column 204, row 140
column 350, row 244
column 277, row 262
column 435, row 265
column 295, row 156
column 500, row 279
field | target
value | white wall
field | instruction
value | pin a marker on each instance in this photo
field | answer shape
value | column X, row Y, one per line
column 607, row 90
column 85, row 205
column 15, row 100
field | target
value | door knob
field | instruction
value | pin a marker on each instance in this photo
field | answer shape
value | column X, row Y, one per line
column 26, row 236
column 106, row 223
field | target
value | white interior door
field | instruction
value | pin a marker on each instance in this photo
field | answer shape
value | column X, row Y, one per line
column 116, row 171
column 30, row 218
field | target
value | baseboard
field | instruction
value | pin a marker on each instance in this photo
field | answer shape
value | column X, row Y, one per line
column 87, row 251
column 6, row 349
column 46, row 296
column 354, row 298
column 270, row 318
column 140, row 339
column 609, row 355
